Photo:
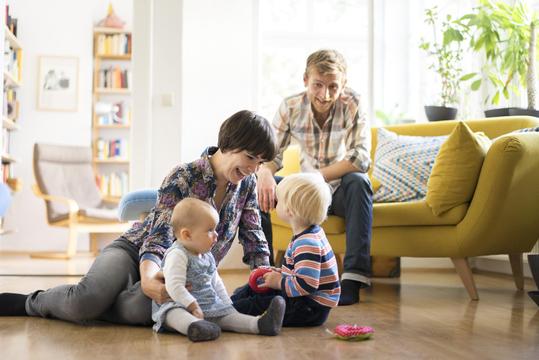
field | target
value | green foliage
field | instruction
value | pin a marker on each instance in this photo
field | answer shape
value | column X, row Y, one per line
column 446, row 55
column 502, row 33
column 393, row 116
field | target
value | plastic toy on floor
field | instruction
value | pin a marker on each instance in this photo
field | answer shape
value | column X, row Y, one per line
column 256, row 279
column 352, row 332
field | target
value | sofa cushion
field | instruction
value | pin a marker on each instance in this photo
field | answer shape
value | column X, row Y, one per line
column 403, row 164
column 456, row 169
column 333, row 224
column 414, row 213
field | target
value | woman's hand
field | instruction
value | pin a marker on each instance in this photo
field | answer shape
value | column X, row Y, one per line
column 272, row 280
column 152, row 282
column 266, row 189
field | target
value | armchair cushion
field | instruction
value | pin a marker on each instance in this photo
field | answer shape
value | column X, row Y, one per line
column 456, row 169
column 403, row 164
column 66, row 171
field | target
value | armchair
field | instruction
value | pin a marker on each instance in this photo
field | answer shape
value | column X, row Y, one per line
column 65, row 181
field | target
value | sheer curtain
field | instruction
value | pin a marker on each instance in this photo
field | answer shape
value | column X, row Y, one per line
column 380, row 40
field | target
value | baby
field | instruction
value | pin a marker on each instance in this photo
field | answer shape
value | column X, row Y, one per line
column 201, row 311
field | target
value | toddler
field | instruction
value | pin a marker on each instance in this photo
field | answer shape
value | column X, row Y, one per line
column 308, row 279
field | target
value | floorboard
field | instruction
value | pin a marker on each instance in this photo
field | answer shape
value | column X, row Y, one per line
column 426, row 314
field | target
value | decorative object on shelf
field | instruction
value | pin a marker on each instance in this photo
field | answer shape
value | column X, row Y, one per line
column 111, row 20
column 447, row 55
column 58, row 83
column 533, row 262
column 505, row 33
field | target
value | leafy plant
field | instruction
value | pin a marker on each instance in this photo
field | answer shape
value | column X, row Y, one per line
column 446, row 54
column 393, row 116
column 506, row 36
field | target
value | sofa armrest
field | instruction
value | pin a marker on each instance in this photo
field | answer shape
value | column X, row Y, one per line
column 503, row 216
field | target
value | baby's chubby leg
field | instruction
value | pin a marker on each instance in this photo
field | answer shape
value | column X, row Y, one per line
column 269, row 323
column 194, row 328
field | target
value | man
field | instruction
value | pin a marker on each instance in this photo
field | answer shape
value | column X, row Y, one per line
column 327, row 122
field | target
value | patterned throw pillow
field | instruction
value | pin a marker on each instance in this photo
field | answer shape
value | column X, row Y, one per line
column 536, row 129
column 403, row 164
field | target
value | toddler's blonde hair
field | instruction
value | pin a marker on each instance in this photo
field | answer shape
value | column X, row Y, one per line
column 306, row 195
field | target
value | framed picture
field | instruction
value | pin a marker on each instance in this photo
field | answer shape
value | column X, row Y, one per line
column 58, row 83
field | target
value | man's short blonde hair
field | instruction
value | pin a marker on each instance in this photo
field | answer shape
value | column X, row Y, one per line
column 326, row 61
column 188, row 212
column 306, row 195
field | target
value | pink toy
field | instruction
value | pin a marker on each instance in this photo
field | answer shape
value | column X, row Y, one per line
column 256, row 278
column 352, row 332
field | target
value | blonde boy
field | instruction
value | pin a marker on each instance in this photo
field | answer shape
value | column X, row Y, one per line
column 308, row 279
column 203, row 310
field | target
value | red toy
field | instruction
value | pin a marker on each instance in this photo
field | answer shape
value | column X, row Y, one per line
column 256, row 278
column 352, row 332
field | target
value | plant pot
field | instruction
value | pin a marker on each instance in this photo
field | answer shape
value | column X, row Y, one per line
column 533, row 262
column 511, row 111
column 439, row 113
column 497, row 112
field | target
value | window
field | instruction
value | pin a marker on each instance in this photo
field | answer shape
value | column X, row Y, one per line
column 290, row 30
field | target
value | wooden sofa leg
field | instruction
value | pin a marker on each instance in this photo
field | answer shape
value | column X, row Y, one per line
column 279, row 257
column 465, row 273
column 517, row 268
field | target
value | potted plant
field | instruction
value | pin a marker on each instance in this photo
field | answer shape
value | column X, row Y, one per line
column 506, row 36
column 447, row 55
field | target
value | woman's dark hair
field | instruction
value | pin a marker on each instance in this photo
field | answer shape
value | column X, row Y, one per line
column 248, row 131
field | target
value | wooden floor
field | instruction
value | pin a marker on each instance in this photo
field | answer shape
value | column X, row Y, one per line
column 425, row 314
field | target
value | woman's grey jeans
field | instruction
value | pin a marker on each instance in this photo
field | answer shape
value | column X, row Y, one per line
column 110, row 291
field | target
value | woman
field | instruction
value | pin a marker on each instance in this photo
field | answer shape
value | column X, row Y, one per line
column 125, row 277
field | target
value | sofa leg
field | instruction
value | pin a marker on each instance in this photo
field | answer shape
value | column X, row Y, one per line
column 339, row 259
column 279, row 257
column 517, row 268
column 465, row 273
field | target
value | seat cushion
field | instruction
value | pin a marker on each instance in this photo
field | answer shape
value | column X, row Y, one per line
column 412, row 213
column 403, row 164
column 415, row 213
column 456, row 169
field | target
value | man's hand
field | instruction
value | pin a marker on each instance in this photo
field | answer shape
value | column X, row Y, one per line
column 266, row 189
column 272, row 280
column 195, row 310
column 152, row 282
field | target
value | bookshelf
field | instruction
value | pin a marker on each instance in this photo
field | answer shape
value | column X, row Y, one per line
column 111, row 114
column 12, row 80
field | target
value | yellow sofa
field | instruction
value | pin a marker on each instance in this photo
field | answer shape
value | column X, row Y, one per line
column 502, row 218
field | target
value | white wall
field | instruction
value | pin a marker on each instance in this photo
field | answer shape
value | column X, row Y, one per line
column 63, row 28
column 202, row 57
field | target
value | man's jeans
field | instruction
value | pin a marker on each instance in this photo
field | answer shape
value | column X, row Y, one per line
column 353, row 201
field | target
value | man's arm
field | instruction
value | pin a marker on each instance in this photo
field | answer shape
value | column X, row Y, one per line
column 266, row 183
column 338, row 170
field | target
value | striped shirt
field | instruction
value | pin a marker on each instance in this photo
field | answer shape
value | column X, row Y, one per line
column 345, row 134
column 239, row 213
column 310, row 268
